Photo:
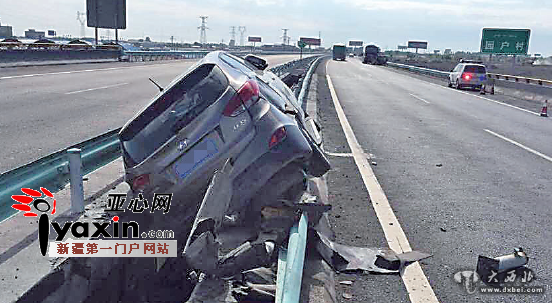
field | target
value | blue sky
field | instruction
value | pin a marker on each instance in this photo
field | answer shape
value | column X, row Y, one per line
column 444, row 24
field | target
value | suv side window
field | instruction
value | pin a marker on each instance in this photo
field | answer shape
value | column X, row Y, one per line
column 457, row 68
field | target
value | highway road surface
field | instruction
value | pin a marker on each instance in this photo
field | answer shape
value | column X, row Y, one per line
column 420, row 165
column 47, row 108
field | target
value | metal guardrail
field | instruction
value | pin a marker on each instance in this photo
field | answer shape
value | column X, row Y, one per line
column 438, row 73
column 55, row 46
column 519, row 79
column 52, row 171
column 289, row 274
column 427, row 71
column 162, row 55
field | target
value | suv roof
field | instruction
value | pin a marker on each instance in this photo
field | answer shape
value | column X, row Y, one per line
column 470, row 61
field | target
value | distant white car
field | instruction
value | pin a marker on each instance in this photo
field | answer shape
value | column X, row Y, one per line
column 351, row 55
column 468, row 74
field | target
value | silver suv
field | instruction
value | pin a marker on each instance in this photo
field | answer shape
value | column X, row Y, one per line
column 223, row 107
column 468, row 74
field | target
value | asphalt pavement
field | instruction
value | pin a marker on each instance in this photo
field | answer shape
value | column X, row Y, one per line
column 464, row 176
column 47, row 108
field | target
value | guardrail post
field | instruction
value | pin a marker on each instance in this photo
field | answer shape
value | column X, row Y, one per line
column 77, row 189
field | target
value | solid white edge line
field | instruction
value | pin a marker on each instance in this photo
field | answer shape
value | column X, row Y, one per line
column 487, row 99
column 480, row 97
column 520, row 145
column 346, row 155
column 96, row 88
column 417, row 285
column 421, row 99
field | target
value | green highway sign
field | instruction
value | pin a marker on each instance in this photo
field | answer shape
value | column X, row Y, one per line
column 301, row 44
column 505, row 41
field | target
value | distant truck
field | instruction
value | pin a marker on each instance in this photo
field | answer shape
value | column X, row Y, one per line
column 339, row 51
column 372, row 55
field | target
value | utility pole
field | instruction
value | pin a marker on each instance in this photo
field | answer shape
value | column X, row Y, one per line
column 285, row 38
column 203, row 28
column 81, row 20
column 242, row 35
column 172, row 42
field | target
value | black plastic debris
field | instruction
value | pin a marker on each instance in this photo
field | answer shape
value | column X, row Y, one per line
column 492, row 270
column 375, row 260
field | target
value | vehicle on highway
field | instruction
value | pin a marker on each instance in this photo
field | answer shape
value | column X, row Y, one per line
column 372, row 55
column 338, row 51
column 223, row 107
column 468, row 74
column 351, row 55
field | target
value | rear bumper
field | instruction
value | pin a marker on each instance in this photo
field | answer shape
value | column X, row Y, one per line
column 247, row 183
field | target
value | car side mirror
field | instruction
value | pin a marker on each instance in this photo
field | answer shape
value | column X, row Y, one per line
column 258, row 62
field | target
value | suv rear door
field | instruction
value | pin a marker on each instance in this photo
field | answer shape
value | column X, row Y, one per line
column 478, row 73
column 187, row 127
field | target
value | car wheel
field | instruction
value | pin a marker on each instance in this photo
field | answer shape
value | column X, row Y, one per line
column 449, row 83
column 286, row 184
column 457, row 84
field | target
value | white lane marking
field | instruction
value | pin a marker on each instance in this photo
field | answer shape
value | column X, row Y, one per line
column 480, row 97
column 421, row 99
column 96, row 88
column 417, row 285
column 487, row 99
column 520, row 145
column 81, row 71
column 340, row 154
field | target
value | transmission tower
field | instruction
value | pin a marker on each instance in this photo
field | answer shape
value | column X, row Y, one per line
column 242, row 35
column 233, row 34
column 81, row 20
column 203, row 28
column 285, row 37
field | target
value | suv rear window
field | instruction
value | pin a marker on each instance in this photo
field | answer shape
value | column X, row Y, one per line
column 173, row 110
column 236, row 63
column 478, row 69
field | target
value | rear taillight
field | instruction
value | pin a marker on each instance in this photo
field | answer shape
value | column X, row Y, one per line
column 278, row 136
column 467, row 77
column 140, row 182
column 247, row 95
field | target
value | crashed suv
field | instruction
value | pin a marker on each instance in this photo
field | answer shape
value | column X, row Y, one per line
column 223, row 107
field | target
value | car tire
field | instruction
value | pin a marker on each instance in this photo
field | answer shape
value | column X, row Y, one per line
column 457, row 84
column 449, row 83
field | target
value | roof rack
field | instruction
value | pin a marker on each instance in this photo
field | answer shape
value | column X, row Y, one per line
column 470, row 61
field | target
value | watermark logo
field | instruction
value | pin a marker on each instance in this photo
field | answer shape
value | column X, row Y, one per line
column 43, row 201
column 34, row 198
column 41, row 205
column 513, row 281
